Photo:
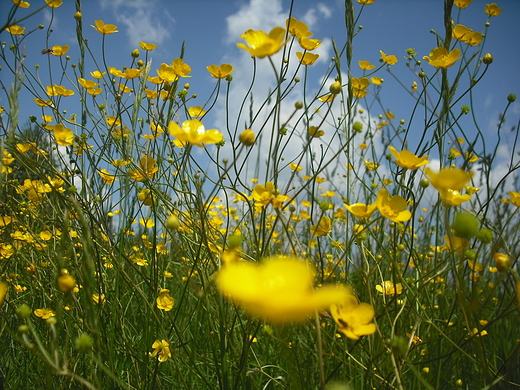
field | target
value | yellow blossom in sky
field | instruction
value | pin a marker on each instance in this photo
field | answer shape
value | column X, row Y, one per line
column 392, row 207
column 406, row 159
column 307, row 58
column 15, row 30
column 147, row 46
column 388, row 59
column 103, row 28
column 492, row 9
column 441, row 59
column 462, row 3
column 220, row 72
column 193, row 132
column 262, row 44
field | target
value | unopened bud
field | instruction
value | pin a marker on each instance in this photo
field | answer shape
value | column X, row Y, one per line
column 487, row 59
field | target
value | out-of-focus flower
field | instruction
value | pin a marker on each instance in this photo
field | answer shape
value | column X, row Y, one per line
column 359, row 86
column 315, row 132
column 21, row 3
column 502, row 261
column 440, row 58
column 277, row 290
column 492, row 9
column 3, row 292
column 354, row 319
column 361, row 210
column 15, row 30
column 462, row 3
column 220, row 72
column 107, row 177
column 62, row 135
column 515, row 198
column 392, row 207
column 323, row 227
column 147, row 169
column 406, row 159
column 307, row 58
column 261, row 44
column 162, row 350
column 388, row 288
column 449, row 182
column 54, row 3
column 366, row 2
column 268, row 194
column 103, row 28
column 194, row 132
column 164, row 300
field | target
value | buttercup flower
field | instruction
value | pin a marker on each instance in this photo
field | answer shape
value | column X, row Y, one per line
column 162, row 350
column 297, row 28
column 388, row 288
column 44, row 313
column 406, row 159
column 307, row 58
column 449, row 182
column 15, row 30
column 354, row 319
column 366, row 2
column 59, row 51
column 361, row 210
column 359, row 86
column 54, row 3
column 366, row 65
column 261, row 44
column 148, row 46
column 103, row 28
column 502, row 261
column 268, row 194
column 62, row 135
column 388, row 59
column 180, row 68
column 3, row 292
column 492, row 9
column 515, row 198
column 147, row 169
column 277, row 290
column 462, row 3
column 323, row 227
column 193, row 132
column 21, row 4
column 164, row 300
column 220, row 72
column 196, row 111
column 392, row 207
column 107, row 177
column 441, row 59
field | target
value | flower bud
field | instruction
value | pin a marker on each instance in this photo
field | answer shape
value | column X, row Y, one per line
column 135, row 53
column 77, row 16
column 298, row 105
column 357, row 127
column 465, row 225
column 247, row 137
column 487, row 59
column 502, row 261
column 424, row 183
column 83, row 343
column 485, row 236
column 511, row 98
column 23, row 311
column 335, row 88
column 173, row 222
column 234, row 240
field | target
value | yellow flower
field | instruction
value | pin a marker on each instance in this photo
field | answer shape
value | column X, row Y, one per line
column 59, row 51
column 180, row 68
column 392, row 207
column 220, row 72
column 62, row 135
column 268, row 194
column 473, row 38
column 147, row 222
column 376, row 80
column 44, row 313
column 21, row 4
column 388, row 288
column 441, row 59
column 449, row 182
column 66, row 282
column 462, row 3
column 146, row 170
column 99, row 298
column 354, row 319
column 193, row 132
column 54, row 3
column 297, row 28
column 406, row 159
column 103, row 28
column 359, row 86
column 3, row 292
column 15, row 30
column 87, row 84
column 388, row 59
column 502, row 261
column 107, row 177
column 164, row 300
column 277, row 290
column 54, row 90
column 492, row 9
column 307, row 58
column 5, row 220
column 308, row 44
column 323, row 227
column 366, row 65
column 515, row 198
column 147, row 46
column 315, row 132
column 361, row 210
column 261, row 44
column 459, row 31
column 97, row 74
column 161, row 349
column 366, row 2
column 455, row 243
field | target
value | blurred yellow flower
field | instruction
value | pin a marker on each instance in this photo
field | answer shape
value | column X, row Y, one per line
column 103, row 28
column 366, row 65
column 194, row 132
column 62, row 135
column 308, row 44
column 441, row 59
column 492, row 9
column 147, row 222
column 323, row 227
column 220, row 72
column 59, row 51
column 268, row 194
column 307, row 58
column 87, row 84
column 515, row 198
column 354, row 319
column 462, row 3
column 315, row 132
column 3, row 292
column 148, row 46
column 97, row 74
column 44, row 313
column 15, row 30
column 21, row 3
column 261, row 44
column 54, row 3
column 279, row 289
column 55, row 90
column 406, row 159
column 388, row 288
column 392, row 207
column 388, row 59
column 449, row 182
column 455, row 243
column 366, row 2
column 361, row 210
column 502, row 261
column 297, row 28
column 99, row 298
column 162, row 350
column 146, row 170
column 196, row 111
column 164, row 300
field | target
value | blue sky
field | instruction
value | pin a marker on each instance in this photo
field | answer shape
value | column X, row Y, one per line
column 210, row 30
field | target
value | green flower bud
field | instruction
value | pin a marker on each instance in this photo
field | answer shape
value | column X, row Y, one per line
column 77, row 16
column 487, row 59
column 465, row 225
column 465, row 110
column 83, row 343
column 325, row 205
column 173, row 222
column 485, row 236
column 234, row 240
column 335, row 88
column 511, row 98
column 357, row 127
column 470, row 254
column 23, row 311
column 298, row 105
column 23, row 328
